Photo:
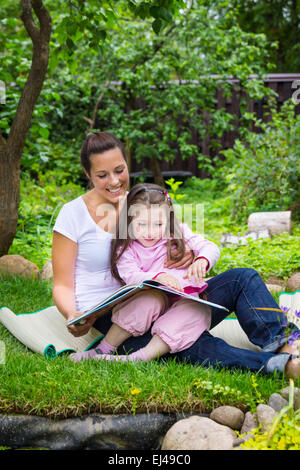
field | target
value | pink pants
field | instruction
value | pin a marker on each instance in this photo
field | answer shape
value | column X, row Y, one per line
column 178, row 322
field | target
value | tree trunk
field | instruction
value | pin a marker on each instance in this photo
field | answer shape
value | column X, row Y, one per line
column 156, row 172
column 9, row 198
column 11, row 150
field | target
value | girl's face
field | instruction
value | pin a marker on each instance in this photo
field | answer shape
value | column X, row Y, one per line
column 109, row 175
column 149, row 223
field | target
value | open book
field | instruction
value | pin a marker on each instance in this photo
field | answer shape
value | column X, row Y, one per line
column 130, row 289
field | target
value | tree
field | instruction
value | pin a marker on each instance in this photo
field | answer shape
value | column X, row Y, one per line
column 279, row 20
column 82, row 16
column 12, row 147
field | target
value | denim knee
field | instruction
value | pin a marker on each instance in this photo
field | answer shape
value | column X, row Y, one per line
column 247, row 272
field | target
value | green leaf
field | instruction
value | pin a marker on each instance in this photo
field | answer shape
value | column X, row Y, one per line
column 157, row 25
column 44, row 132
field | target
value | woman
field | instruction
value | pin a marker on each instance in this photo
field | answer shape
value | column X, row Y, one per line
column 81, row 252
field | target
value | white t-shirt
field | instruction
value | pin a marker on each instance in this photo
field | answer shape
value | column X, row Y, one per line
column 93, row 279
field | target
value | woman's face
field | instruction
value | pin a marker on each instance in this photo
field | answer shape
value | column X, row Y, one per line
column 109, row 175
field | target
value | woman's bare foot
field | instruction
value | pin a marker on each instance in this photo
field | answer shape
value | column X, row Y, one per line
column 292, row 368
column 293, row 348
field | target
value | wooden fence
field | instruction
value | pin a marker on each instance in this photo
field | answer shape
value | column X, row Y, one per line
column 280, row 83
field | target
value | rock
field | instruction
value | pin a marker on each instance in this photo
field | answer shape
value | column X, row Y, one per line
column 274, row 288
column 265, row 416
column 293, row 282
column 46, row 273
column 272, row 279
column 285, row 394
column 275, row 222
column 250, row 423
column 277, row 402
column 228, row 416
column 17, row 265
column 229, row 238
column 198, row 433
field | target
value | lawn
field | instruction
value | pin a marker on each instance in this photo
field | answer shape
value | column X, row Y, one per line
column 31, row 384
column 59, row 388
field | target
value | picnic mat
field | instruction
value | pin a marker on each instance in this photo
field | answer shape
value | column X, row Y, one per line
column 45, row 331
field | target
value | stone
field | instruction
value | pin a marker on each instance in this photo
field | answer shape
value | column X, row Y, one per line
column 46, row 273
column 277, row 402
column 293, row 282
column 274, row 287
column 265, row 416
column 275, row 222
column 228, row 416
column 19, row 266
column 285, row 394
column 198, row 433
column 229, row 238
column 250, row 422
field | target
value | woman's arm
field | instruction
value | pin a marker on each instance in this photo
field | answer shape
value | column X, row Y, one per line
column 64, row 252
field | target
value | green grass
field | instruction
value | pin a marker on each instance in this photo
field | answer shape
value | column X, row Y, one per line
column 31, row 384
column 58, row 388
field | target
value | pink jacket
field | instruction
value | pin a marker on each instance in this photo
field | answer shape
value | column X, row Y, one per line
column 139, row 263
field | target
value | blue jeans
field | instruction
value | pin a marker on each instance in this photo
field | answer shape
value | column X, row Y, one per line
column 240, row 290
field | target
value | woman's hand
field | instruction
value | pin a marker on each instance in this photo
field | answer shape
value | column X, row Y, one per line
column 198, row 270
column 80, row 329
column 184, row 262
column 169, row 281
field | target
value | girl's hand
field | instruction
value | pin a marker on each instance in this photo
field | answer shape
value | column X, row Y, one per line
column 80, row 329
column 198, row 270
column 169, row 281
column 184, row 262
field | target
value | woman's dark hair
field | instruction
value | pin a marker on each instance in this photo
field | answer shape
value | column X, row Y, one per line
column 98, row 142
column 148, row 195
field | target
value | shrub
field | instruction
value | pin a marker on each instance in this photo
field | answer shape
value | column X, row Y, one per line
column 262, row 170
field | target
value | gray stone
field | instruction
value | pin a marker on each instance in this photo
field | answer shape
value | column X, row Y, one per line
column 229, row 238
column 265, row 416
column 228, row 416
column 285, row 394
column 250, row 422
column 198, row 433
column 277, row 402
column 46, row 273
column 275, row 222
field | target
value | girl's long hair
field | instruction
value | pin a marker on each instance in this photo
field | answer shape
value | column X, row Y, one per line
column 146, row 194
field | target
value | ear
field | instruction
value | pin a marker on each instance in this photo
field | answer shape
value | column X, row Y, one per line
column 86, row 174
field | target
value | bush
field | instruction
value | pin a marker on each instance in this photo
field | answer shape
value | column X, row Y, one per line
column 263, row 170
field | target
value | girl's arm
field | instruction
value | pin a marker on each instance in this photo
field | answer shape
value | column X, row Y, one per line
column 201, row 247
column 64, row 252
column 130, row 269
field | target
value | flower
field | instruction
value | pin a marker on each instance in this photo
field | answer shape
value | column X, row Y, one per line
column 294, row 337
column 297, row 313
column 135, row 391
column 285, row 310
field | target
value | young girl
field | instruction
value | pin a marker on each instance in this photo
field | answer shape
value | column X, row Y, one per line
column 147, row 230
